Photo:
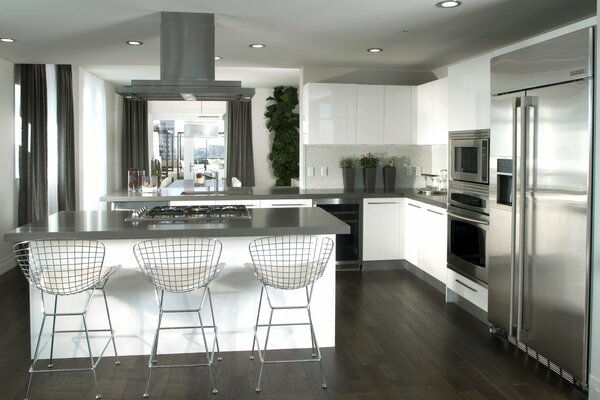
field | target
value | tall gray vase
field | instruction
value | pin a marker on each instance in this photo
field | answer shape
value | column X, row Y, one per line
column 349, row 175
column 389, row 178
column 369, row 176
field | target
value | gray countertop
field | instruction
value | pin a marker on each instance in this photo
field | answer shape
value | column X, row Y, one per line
column 99, row 225
column 174, row 192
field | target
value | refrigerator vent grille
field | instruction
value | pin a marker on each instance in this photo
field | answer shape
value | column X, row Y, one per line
column 542, row 360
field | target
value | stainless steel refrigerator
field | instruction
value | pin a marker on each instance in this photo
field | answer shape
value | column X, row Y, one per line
column 540, row 200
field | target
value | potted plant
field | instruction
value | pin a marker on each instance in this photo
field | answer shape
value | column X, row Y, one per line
column 369, row 163
column 347, row 164
column 389, row 175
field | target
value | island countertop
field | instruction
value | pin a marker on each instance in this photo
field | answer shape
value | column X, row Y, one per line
column 99, row 225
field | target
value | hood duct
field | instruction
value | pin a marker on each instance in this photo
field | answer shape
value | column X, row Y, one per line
column 187, row 64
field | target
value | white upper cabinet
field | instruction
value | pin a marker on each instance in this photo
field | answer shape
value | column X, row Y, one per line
column 336, row 113
column 369, row 114
column 469, row 94
column 398, row 108
column 432, row 112
column 330, row 113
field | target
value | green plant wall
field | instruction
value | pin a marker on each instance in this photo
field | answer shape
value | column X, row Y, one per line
column 283, row 122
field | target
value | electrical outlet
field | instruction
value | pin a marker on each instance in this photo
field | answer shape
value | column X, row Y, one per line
column 310, row 171
column 418, row 170
column 323, row 171
column 409, row 171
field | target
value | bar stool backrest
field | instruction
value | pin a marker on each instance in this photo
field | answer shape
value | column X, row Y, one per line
column 290, row 262
column 61, row 267
column 178, row 264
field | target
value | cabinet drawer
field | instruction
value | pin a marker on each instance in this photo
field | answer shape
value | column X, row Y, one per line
column 468, row 289
column 247, row 203
column 286, row 203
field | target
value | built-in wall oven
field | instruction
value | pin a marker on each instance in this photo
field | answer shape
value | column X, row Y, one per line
column 469, row 156
column 468, row 224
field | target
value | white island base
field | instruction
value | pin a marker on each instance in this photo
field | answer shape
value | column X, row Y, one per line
column 235, row 294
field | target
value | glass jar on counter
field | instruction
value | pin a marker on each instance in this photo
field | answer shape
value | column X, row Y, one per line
column 135, row 179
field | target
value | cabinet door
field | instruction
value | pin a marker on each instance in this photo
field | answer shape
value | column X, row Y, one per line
column 283, row 203
column 369, row 114
column 435, row 242
column 412, row 231
column 382, row 229
column 469, row 94
column 397, row 116
column 331, row 113
column 432, row 113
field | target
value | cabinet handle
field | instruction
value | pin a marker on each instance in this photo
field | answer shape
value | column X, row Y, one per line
column 434, row 212
column 465, row 285
column 414, row 205
column 288, row 205
column 382, row 202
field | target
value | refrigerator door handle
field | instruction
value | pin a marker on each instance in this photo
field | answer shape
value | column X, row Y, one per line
column 514, row 263
column 526, row 141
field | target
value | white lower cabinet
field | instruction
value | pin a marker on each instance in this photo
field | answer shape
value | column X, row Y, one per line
column 283, row 203
column 467, row 289
column 425, row 238
column 383, row 227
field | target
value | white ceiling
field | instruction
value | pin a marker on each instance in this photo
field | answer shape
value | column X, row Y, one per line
column 415, row 34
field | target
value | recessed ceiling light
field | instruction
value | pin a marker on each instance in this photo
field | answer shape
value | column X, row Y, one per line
column 258, row 45
column 134, row 43
column 375, row 50
column 7, row 40
column 448, row 4
column 217, row 58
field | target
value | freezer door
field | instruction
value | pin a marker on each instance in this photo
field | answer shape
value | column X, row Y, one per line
column 506, row 117
column 555, row 224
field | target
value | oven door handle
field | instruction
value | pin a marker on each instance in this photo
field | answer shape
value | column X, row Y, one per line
column 473, row 220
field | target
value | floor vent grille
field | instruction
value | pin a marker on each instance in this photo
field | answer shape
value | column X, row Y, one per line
column 542, row 360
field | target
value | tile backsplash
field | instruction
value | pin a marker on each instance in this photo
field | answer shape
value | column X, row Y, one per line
column 410, row 161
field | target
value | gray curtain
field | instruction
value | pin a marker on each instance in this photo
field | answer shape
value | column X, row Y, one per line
column 66, row 138
column 135, row 137
column 33, row 175
column 240, row 158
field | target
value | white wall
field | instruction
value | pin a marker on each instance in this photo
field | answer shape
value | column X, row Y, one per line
column 261, row 139
column 8, row 194
column 97, row 139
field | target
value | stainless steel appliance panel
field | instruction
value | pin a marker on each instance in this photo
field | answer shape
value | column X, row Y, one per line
column 555, row 238
column 468, row 243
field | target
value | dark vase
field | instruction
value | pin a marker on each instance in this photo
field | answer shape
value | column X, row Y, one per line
column 348, row 174
column 389, row 178
column 369, row 175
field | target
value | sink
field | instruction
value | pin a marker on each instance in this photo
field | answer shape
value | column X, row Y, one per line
column 203, row 193
column 229, row 191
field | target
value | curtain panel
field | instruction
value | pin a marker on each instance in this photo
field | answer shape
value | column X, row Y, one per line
column 33, row 152
column 66, row 138
column 135, row 137
column 240, row 156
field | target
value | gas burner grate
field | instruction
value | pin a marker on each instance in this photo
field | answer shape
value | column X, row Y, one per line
column 189, row 213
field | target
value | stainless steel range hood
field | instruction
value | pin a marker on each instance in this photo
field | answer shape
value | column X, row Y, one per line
column 187, row 64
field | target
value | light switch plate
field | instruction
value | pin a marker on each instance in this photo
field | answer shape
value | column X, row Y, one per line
column 323, row 171
column 310, row 171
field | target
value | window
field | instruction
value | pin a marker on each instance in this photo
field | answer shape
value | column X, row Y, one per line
column 188, row 137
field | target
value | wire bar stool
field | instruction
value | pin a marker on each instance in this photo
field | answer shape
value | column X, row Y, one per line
column 180, row 265
column 62, row 268
column 288, row 263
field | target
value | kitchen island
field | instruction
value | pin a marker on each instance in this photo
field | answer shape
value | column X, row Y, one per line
column 235, row 291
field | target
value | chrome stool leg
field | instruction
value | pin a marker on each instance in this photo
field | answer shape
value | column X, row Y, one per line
column 112, row 331
column 93, row 366
column 214, row 323
column 254, row 340
column 35, row 356
column 51, row 363
column 209, row 355
column 152, row 359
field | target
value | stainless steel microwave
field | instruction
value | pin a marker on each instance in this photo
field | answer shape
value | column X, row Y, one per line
column 469, row 156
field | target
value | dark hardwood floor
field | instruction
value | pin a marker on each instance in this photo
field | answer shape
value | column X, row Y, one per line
column 396, row 339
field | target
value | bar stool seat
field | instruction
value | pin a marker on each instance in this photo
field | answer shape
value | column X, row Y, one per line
column 181, row 265
column 62, row 268
column 288, row 263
